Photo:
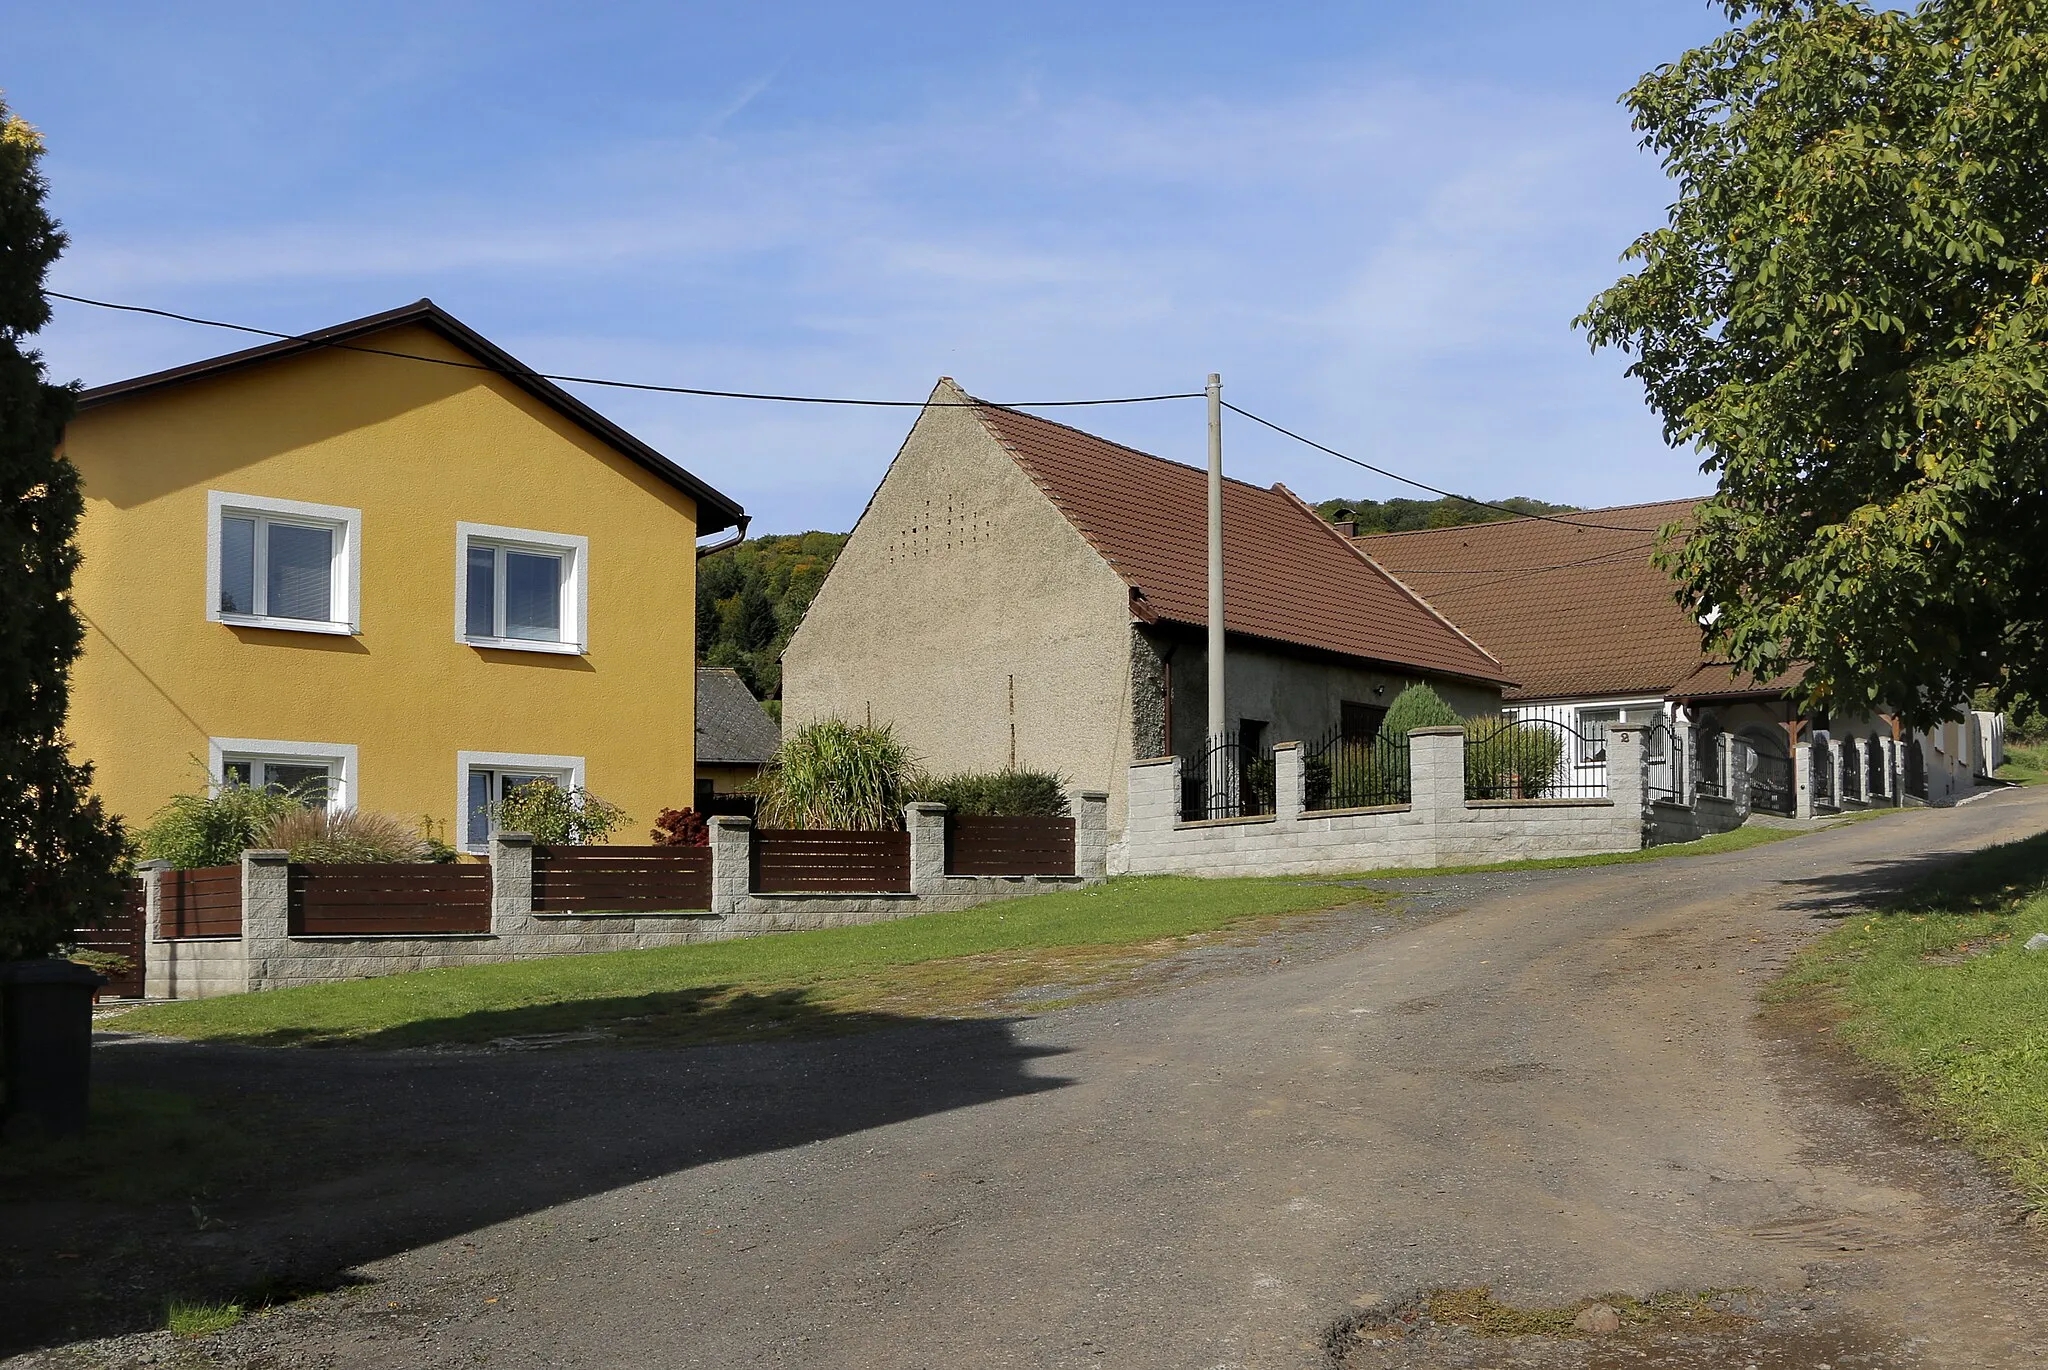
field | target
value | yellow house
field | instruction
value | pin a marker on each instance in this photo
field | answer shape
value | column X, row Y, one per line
column 385, row 561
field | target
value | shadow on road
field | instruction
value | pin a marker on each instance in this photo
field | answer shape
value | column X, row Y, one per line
column 357, row 1155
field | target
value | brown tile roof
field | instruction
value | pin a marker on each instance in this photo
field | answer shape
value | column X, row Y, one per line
column 1570, row 610
column 1288, row 576
column 1718, row 680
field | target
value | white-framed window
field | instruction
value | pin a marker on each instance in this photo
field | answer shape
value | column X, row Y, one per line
column 321, row 772
column 484, row 779
column 520, row 590
column 282, row 563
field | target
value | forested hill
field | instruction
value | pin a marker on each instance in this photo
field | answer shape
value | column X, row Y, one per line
column 750, row 599
column 1407, row 515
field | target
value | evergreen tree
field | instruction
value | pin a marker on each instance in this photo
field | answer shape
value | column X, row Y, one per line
column 64, row 859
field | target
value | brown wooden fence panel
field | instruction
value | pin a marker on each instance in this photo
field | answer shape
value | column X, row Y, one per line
column 1009, row 846
column 621, row 879
column 392, row 899
column 203, row 902
column 793, row 861
column 121, row 935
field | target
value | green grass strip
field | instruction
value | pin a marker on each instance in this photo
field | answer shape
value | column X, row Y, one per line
column 1939, row 991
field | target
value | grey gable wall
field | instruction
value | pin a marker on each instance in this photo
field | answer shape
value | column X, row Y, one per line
column 960, row 580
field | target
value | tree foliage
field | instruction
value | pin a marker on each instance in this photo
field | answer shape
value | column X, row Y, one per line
column 61, row 856
column 1408, row 515
column 1418, row 706
column 751, row 599
column 1846, row 312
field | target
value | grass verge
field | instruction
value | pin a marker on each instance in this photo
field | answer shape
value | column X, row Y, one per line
column 835, row 980
column 1937, row 989
column 201, row 1319
column 2026, row 763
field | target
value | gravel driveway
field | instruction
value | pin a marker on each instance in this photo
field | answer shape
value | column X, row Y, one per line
column 1557, row 1084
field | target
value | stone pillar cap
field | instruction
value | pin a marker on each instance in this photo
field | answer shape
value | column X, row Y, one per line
column 1437, row 732
column 925, row 806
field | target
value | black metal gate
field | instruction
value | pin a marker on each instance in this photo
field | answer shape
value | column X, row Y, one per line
column 1916, row 770
column 1227, row 781
column 1821, row 768
column 1771, row 785
column 1535, row 758
column 1344, row 771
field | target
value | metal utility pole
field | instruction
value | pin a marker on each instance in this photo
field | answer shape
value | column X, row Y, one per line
column 1216, row 709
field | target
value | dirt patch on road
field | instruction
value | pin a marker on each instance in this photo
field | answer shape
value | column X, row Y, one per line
column 1681, row 1330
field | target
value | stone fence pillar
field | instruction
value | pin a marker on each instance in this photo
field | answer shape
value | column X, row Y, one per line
column 156, row 964
column 1091, row 832
column 1802, row 780
column 926, row 823
column 1735, row 754
column 1436, row 775
column 1683, row 791
column 266, row 914
column 732, row 871
column 511, row 882
column 1289, row 796
column 1628, row 766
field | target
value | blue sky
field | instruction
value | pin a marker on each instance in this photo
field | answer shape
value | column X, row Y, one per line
column 1375, row 219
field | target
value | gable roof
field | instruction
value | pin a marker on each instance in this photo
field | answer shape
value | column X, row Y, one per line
column 1287, row 575
column 714, row 511
column 732, row 727
column 1570, row 610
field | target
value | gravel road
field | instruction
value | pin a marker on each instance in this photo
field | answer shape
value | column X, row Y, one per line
column 1557, row 1084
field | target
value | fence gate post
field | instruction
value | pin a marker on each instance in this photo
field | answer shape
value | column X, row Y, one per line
column 1288, row 795
column 1091, row 832
column 1436, row 780
column 511, row 882
column 1802, row 780
column 732, row 852
column 266, row 915
column 1736, row 761
column 157, row 981
column 1628, row 773
column 926, row 822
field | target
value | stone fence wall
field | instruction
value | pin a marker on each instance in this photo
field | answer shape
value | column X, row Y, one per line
column 1439, row 826
column 268, row 955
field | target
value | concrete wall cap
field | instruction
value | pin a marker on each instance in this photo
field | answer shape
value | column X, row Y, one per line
column 267, row 856
column 154, row 864
column 513, row 839
column 1286, row 746
column 1437, row 732
column 1154, row 761
column 924, row 806
column 732, row 822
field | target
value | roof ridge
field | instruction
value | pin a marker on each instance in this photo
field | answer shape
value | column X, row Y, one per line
column 982, row 404
column 424, row 313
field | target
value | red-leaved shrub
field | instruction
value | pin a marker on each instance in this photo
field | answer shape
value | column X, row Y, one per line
column 680, row 828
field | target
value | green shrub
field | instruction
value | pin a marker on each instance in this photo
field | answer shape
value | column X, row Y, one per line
column 1418, row 706
column 215, row 829
column 835, row 774
column 1008, row 793
column 345, row 837
column 1504, row 760
column 557, row 817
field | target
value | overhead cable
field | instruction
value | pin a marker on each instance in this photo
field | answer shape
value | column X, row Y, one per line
column 1420, row 485
column 612, row 384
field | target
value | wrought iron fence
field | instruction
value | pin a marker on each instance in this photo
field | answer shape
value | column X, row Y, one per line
column 1533, row 758
column 1823, row 772
column 1851, row 770
column 1660, row 763
column 1875, row 769
column 1772, row 788
column 1342, row 772
column 1226, row 781
column 1916, row 770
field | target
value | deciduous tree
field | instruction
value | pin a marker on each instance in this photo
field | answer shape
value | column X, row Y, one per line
column 1847, row 312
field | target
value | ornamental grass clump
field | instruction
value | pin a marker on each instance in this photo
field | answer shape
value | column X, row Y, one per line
column 195, row 830
column 1008, row 793
column 835, row 774
column 318, row 836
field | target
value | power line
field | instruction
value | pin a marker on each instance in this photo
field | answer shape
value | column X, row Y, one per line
column 1447, row 494
column 611, row 384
